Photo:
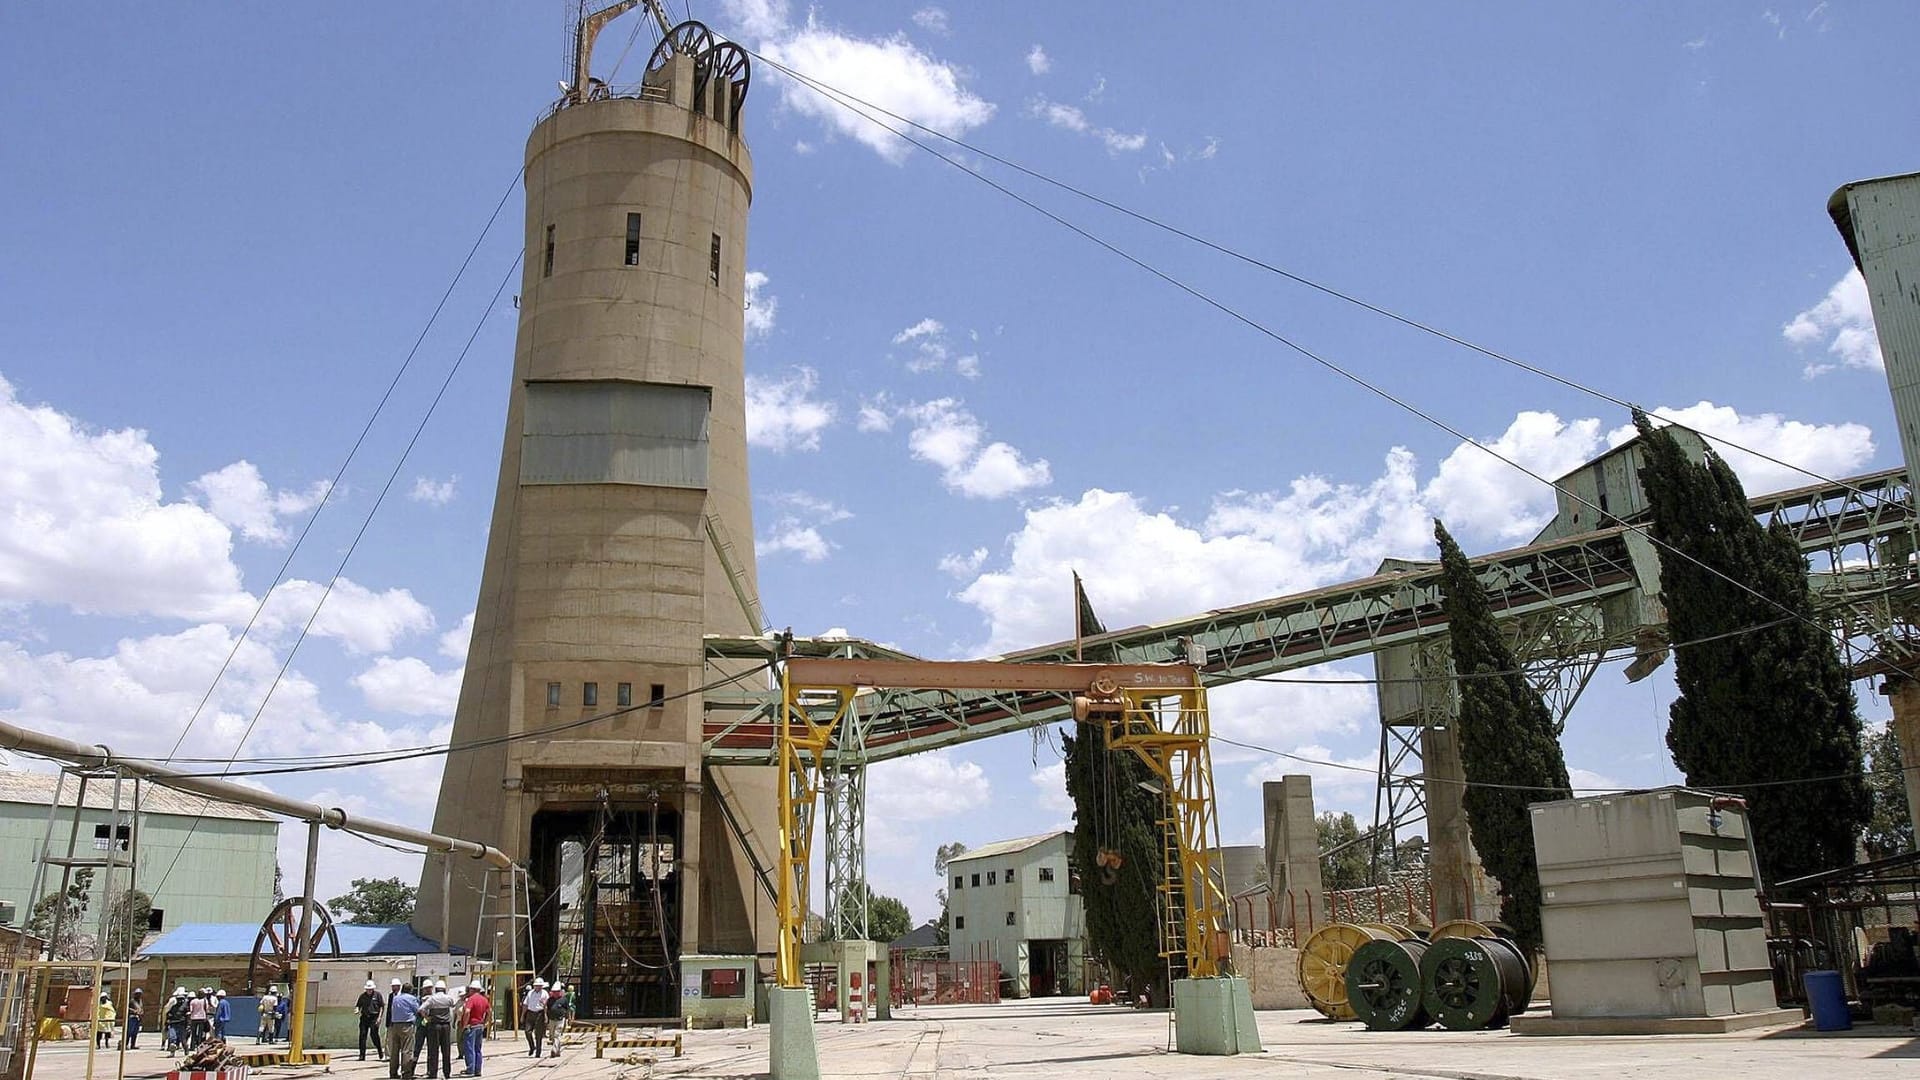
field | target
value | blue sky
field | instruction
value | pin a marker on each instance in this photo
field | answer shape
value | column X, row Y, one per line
column 227, row 226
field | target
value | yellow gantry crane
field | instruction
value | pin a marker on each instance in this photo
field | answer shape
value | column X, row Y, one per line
column 1156, row 711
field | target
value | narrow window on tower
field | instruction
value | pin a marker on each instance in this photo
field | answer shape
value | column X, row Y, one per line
column 553, row 695
column 590, row 694
column 623, row 695
column 713, row 261
column 548, row 271
column 633, row 239
column 657, row 695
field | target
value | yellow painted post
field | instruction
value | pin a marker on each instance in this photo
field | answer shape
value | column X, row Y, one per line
column 789, row 941
column 297, row 1030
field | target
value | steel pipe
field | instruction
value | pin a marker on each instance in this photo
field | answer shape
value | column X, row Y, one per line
column 102, row 757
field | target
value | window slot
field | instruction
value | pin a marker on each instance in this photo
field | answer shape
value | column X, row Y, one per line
column 713, row 261
column 590, row 694
column 633, row 240
column 548, row 271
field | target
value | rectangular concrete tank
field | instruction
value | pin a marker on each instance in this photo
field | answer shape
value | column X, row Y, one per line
column 1649, row 906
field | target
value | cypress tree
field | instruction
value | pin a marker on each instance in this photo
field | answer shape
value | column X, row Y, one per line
column 1113, row 813
column 1771, row 700
column 1509, row 744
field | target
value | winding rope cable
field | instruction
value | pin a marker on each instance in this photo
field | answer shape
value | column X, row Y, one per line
column 340, row 473
column 1323, row 362
column 340, row 568
column 1297, row 278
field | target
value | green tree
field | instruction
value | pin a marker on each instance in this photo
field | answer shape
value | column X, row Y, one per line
column 1116, row 813
column 71, row 907
column 1509, row 743
column 1890, row 829
column 375, row 902
column 887, row 918
column 1344, row 856
column 127, row 924
column 1763, row 693
column 942, row 855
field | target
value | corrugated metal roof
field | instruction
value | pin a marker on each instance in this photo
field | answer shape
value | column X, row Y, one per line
column 36, row 789
column 1005, row 847
column 236, row 939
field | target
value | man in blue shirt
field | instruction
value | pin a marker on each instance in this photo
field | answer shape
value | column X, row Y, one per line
column 222, row 1014
column 403, row 1008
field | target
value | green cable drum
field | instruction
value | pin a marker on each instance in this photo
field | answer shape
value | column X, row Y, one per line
column 1383, row 985
column 1472, row 983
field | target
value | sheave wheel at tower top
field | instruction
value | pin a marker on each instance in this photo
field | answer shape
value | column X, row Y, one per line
column 690, row 38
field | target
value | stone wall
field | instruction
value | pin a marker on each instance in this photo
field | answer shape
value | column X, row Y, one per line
column 1273, row 976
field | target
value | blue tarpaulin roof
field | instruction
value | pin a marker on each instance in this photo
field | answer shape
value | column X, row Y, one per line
column 236, row 939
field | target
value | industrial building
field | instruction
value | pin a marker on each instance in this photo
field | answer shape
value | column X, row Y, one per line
column 621, row 534
column 1016, row 902
column 200, row 860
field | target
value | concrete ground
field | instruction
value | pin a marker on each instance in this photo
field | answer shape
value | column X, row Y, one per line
column 1057, row 1037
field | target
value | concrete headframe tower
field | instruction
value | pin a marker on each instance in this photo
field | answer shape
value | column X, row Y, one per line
column 623, row 483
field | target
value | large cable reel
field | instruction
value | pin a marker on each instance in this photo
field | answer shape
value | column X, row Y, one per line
column 1323, row 966
column 1474, row 983
column 1383, row 984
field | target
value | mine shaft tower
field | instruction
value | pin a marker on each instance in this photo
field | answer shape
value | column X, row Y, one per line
column 623, row 481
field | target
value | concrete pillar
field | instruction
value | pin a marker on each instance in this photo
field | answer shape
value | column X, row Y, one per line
column 1461, row 888
column 1293, row 854
column 1905, row 696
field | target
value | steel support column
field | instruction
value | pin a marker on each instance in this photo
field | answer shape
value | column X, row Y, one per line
column 846, row 791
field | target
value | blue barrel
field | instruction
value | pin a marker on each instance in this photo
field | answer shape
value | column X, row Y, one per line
column 1827, row 996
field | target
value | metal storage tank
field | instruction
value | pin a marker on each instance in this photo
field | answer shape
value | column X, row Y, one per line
column 1650, row 906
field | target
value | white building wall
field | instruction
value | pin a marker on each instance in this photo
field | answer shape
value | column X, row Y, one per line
column 1011, row 884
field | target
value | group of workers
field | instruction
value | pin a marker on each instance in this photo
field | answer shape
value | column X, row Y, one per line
column 424, row 1019
column 192, row 1018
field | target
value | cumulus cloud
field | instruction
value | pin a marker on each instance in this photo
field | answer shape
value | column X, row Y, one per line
column 1827, row 449
column 433, row 492
column 762, row 306
column 1844, row 320
column 906, row 792
column 1073, row 118
column 783, row 414
column 1143, row 564
column 931, row 347
column 931, row 19
column 789, row 535
column 961, row 566
column 876, row 414
column 454, row 642
column 359, row 618
column 890, row 72
column 238, row 496
column 1050, row 789
column 85, row 524
column 1038, row 61
column 410, row 686
column 948, row 436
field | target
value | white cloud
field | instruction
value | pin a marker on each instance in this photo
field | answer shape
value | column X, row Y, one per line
column 1334, row 778
column 783, row 414
column 239, row 497
column 1277, row 714
column 906, row 792
column 948, row 436
column 967, row 367
column 1844, row 320
column 762, row 306
column 454, row 643
column 1038, row 61
column 1476, row 492
column 359, row 618
column 1588, row 782
column 433, row 492
column 1050, row 784
column 789, row 535
column 924, row 328
column 1827, row 449
column 1142, row 564
column 964, row 565
column 891, row 73
column 931, row 19
column 876, row 414
column 824, row 511
column 83, row 524
column 1072, row 118
column 408, row 685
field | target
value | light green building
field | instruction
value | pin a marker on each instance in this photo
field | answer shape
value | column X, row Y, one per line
column 1014, row 901
column 200, row 860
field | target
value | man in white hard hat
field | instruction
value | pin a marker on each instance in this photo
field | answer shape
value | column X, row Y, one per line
column 370, row 1006
column 438, row 1010
column 177, row 1021
column 533, row 1008
column 559, row 1011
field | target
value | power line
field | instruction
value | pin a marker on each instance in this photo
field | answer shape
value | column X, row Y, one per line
column 1299, row 279
column 1328, row 365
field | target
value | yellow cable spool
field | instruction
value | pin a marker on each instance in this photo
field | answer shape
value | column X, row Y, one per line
column 1393, row 931
column 1323, row 966
column 1460, row 928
